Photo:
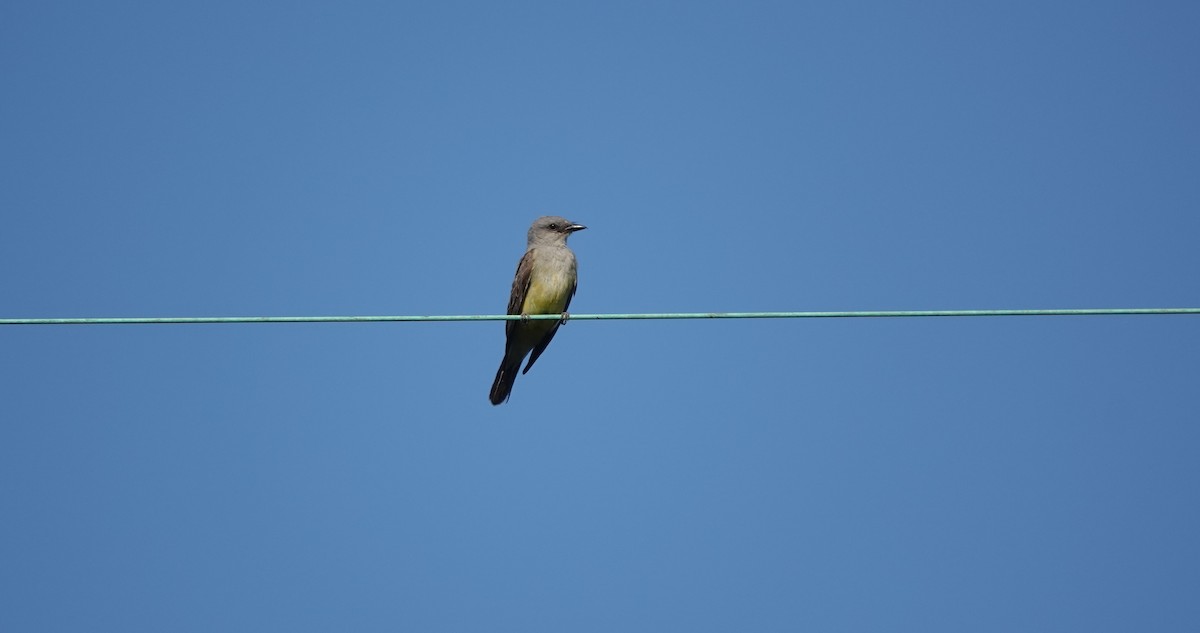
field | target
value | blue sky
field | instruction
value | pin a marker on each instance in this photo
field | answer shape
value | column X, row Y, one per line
column 239, row 159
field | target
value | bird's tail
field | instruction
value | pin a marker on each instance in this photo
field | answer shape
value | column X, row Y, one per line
column 505, row 377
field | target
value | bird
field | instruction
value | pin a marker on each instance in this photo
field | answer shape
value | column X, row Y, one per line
column 544, row 284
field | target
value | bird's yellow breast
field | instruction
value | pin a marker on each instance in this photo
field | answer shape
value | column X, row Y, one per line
column 548, row 290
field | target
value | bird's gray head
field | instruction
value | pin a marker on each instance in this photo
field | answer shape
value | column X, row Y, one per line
column 552, row 229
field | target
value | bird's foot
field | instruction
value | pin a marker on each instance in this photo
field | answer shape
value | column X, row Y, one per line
column 524, row 317
column 565, row 316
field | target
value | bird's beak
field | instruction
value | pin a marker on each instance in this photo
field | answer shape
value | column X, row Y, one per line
column 575, row 227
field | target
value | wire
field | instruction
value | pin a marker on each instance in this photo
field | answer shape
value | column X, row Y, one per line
column 605, row 317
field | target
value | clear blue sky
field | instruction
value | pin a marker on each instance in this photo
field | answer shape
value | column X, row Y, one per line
column 225, row 159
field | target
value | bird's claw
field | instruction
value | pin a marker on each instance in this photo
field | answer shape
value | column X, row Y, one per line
column 565, row 316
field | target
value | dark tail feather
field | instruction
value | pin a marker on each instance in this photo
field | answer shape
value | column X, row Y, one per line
column 505, row 377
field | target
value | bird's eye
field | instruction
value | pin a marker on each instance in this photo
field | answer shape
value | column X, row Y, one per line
column 554, row 226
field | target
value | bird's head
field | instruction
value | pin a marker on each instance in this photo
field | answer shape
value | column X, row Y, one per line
column 552, row 228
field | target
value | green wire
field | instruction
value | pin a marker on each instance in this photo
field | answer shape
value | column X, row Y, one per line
column 599, row 317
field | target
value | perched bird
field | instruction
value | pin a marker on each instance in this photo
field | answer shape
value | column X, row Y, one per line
column 544, row 284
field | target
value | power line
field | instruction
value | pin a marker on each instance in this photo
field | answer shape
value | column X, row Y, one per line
column 606, row 317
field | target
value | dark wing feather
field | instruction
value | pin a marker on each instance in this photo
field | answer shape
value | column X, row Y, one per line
column 520, row 286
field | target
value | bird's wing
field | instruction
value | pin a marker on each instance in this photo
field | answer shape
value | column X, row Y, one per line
column 520, row 287
column 541, row 345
